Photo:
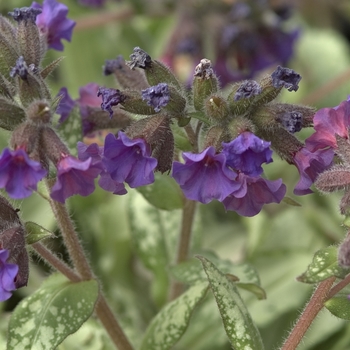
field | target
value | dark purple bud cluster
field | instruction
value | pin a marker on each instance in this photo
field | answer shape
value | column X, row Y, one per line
column 157, row 96
column 25, row 14
column 285, row 77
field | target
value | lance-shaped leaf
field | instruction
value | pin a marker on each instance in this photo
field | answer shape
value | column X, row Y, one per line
column 51, row 67
column 11, row 114
column 238, row 323
column 36, row 233
column 191, row 271
column 339, row 306
column 58, row 308
column 323, row 266
column 172, row 321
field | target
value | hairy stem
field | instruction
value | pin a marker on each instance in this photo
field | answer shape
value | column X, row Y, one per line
column 311, row 310
column 54, row 261
column 188, row 214
column 81, row 264
column 338, row 287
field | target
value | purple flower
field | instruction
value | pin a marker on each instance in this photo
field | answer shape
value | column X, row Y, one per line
column 246, row 153
column 74, row 177
column 285, row 77
column 157, row 96
column 113, row 65
column 205, row 176
column 129, row 160
column 53, row 23
column 247, row 89
column 254, row 193
column 65, row 106
column 292, row 121
column 25, row 14
column 20, row 69
column 105, row 181
column 110, row 98
column 329, row 122
column 310, row 165
column 8, row 273
column 19, row 174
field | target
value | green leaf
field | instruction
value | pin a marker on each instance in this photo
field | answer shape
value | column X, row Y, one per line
column 239, row 326
column 164, row 193
column 339, row 306
column 11, row 114
column 323, row 266
column 291, row 201
column 191, row 271
column 35, row 232
column 171, row 322
column 148, row 233
column 47, row 317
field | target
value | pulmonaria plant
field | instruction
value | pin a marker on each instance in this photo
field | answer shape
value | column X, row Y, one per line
column 231, row 137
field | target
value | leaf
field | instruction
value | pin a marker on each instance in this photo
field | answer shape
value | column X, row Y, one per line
column 58, row 308
column 291, row 201
column 339, row 306
column 164, row 193
column 36, row 233
column 148, row 235
column 11, row 114
column 172, row 321
column 51, row 67
column 238, row 324
column 324, row 265
column 191, row 271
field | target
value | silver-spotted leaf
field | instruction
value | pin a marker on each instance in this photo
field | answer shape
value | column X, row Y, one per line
column 191, row 271
column 238, row 324
column 324, row 265
column 58, row 308
column 339, row 306
column 171, row 322
column 36, row 233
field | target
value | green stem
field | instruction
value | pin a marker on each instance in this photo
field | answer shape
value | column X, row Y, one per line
column 80, row 262
column 53, row 260
column 311, row 310
column 188, row 214
column 199, row 116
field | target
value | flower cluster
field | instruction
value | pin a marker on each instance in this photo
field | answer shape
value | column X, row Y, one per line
column 227, row 139
column 232, row 176
column 239, row 132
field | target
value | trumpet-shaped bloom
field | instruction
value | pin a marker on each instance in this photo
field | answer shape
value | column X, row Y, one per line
column 53, row 23
column 205, row 176
column 74, row 177
column 128, row 160
column 246, row 153
column 19, row 174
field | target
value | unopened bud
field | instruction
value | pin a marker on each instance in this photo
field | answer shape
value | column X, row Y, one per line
column 156, row 72
column 242, row 95
column 216, row 108
column 335, row 179
column 39, row 112
column 205, row 83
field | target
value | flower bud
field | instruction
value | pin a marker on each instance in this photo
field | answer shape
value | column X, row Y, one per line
column 157, row 133
column 215, row 136
column 156, row 72
column 335, row 179
column 216, row 108
column 242, row 95
column 238, row 125
column 126, row 77
column 163, row 95
column 39, row 112
column 129, row 100
column 28, row 37
column 205, row 83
